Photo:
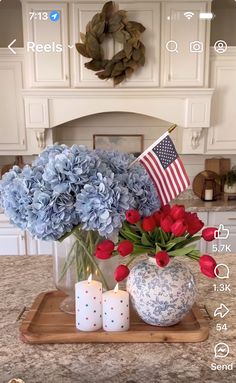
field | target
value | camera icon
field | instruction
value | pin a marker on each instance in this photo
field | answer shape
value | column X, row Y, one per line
column 196, row 46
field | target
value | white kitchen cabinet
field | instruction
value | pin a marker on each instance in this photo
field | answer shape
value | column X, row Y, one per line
column 222, row 133
column 37, row 247
column 82, row 13
column 188, row 35
column 12, row 126
column 47, row 66
column 12, row 239
column 228, row 219
column 148, row 13
column 202, row 245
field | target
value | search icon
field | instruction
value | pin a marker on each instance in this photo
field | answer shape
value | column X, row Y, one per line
column 172, row 46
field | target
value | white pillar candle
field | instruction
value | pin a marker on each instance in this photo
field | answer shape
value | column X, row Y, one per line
column 115, row 310
column 88, row 305
column 208, row 194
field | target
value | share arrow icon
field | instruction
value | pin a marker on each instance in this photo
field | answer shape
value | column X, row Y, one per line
column 222, row 311
column 11, row 49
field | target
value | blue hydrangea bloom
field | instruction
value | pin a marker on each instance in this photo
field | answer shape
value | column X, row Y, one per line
column 66, row 187
column 102, row 204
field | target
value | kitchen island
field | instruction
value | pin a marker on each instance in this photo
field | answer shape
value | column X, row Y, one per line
column 23, row 278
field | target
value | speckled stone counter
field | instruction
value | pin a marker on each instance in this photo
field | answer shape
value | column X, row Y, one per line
column 22, row 278
column 198, row 205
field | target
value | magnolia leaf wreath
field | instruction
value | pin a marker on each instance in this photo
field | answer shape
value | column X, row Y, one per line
column 110, row 22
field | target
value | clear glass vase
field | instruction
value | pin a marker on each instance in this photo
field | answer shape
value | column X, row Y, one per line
column 74, row 261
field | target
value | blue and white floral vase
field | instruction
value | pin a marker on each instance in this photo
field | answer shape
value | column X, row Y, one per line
column 162, row 296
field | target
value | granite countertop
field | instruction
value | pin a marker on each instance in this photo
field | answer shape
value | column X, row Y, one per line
column 22, row 278
column 197, row 205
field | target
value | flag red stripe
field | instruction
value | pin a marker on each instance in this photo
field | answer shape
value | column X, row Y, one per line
column 156, row 166
column 181, row 183
column 178, row 175
column 184, row 172
column 184, row 180
column 164, row 178
column 155, row 178
column 173, row 181
column 156, row 169
column 173, row 171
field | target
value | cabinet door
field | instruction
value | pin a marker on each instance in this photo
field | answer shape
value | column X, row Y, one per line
column 201, row 245
column 12, row 129
column 48, row 68
column 222, row 134
column 37, row 247
column 148, row 14
column 228, row 219
column 186, row 63
column 12, row 241
column 82, row 13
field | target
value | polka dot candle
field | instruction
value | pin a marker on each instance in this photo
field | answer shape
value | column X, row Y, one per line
column 115, row 308
column 88, row 305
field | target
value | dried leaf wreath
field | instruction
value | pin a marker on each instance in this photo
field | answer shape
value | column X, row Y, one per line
column 115, row 23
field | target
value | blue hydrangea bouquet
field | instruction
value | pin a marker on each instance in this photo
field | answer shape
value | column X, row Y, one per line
column 80, row 192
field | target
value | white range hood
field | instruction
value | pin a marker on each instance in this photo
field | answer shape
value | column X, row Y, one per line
column 46, row 109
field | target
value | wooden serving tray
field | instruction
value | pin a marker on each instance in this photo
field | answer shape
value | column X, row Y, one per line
column 46, row 323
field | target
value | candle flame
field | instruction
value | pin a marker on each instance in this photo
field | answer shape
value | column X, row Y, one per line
column 90, row 278
column 116, row 288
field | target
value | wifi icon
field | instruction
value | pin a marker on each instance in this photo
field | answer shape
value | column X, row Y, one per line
column 188, row 15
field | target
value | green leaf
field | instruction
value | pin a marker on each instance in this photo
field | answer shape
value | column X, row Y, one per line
column 144, row 249
column 187, row 241
column 158, row 248
column 130, row 235
column 174, row 242
column 179, row 252
column 145, row 240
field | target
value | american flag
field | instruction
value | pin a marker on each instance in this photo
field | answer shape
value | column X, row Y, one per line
column 165, row 168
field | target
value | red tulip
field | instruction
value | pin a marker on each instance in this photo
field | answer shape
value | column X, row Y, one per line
column 148, row 223
column 162, row 258
column 106, row 245
column 179, row 228
column 177, row 212
column 209, row 233
column 102, row 254
column 166, row 209
column 125, row 248
column 121, row 272
column 193, row 223
column 166, row 223
column 132, row 216
column 104, row 249
column 157, row 216
column 207, row 265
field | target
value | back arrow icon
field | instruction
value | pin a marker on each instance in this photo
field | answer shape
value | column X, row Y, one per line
column 11, row 49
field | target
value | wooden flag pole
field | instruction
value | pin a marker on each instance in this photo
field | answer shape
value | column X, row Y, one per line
column 172, row 127
column 170, row 130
